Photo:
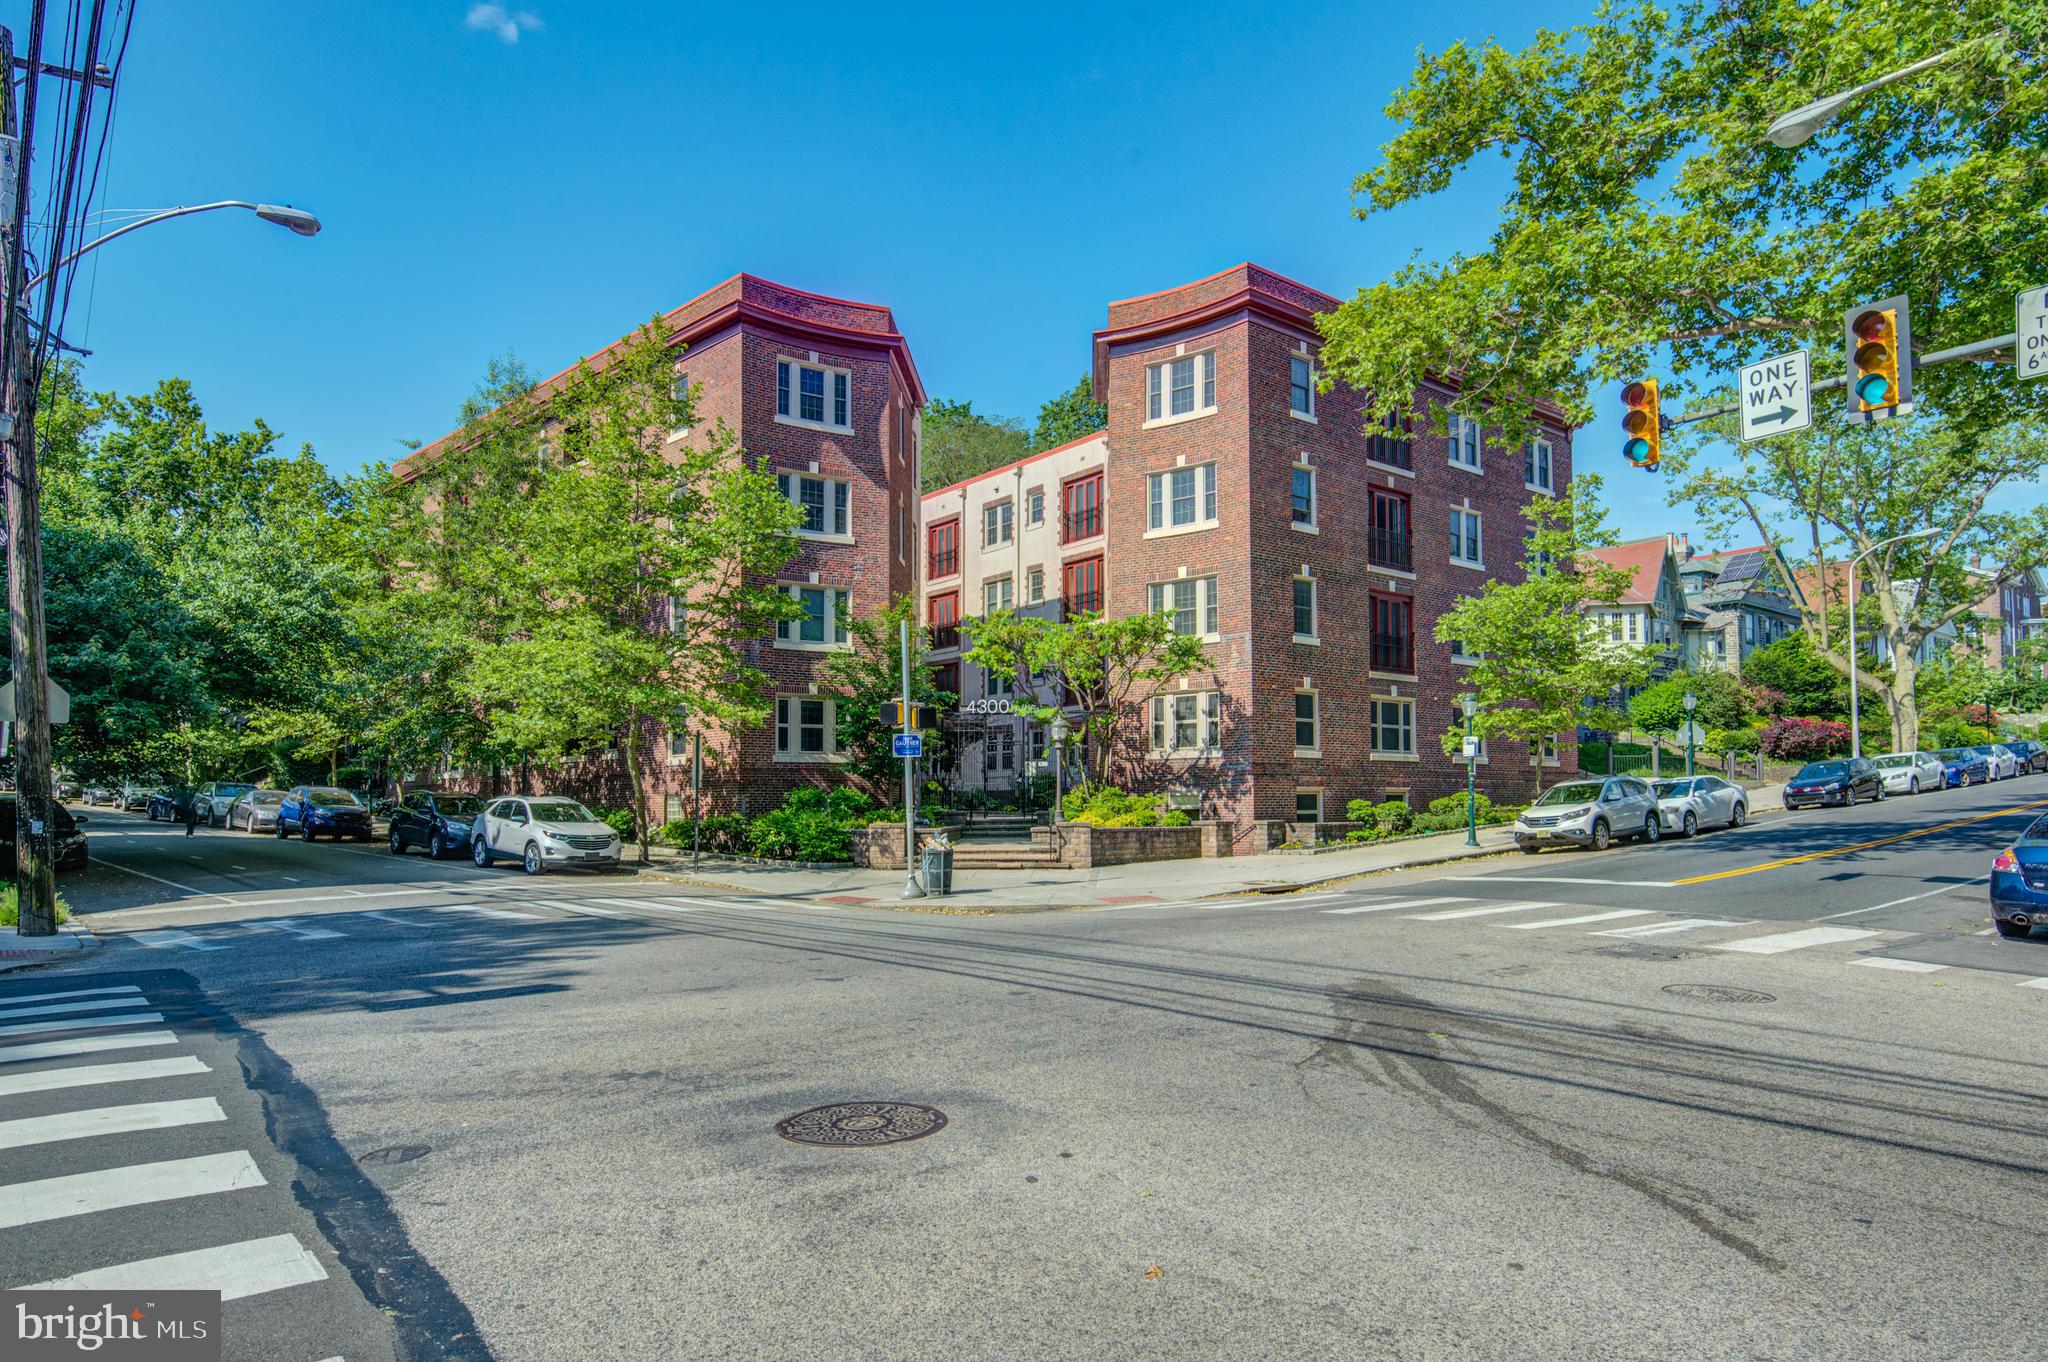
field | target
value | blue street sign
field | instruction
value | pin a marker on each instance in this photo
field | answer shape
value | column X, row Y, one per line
column 909, row 744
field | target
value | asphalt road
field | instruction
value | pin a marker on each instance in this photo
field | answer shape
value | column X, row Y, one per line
column 1556, row 1106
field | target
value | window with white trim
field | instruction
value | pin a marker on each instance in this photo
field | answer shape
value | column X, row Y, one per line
column 1305, row 610
column 806, row 728
column 1465, row 450
column 1034, row 506
column 825, row 503
column 1182, row 387
column 824, row 619
column 1302, row 497
column 813, row 395
column 1460, row 653
column 1308, row 725
column 997, row 594
column 1301, row 387
column 680, row 391
column 1186, row 722
column 1393, row 728
column 998, row 685
column 1635, row 626
column 1181, row 497
column 1034, row 585
column 1536, row 466
column 1190, row 600
column 997, row 524
column 1308, row 806
column 999, row 750
column 1465, row 543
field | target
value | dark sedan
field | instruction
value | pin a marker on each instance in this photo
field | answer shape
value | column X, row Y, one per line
column 1843, row 781
column 2033, row 756
column 2019, row 882
column 1962, row 768
column 435, row 819
column 70, row 847
column 169, row 803
column 323, row 811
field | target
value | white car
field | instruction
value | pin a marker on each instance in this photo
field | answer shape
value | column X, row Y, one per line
column 540, row 831
column 1910, row 772
column 2004, row 765
column 1689, row 803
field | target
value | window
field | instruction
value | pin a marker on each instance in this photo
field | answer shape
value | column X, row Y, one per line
column 811, row 394
column 995, row 595
column 1465, row 538
column 1387, row 543
column 1539, row 562
column 999, row 751
column 1392, row 643
column 1034, row 506
column 1393, row 443
column 1186, row 723
column 1460, row 653
column 998, row 685
column 943, row 549
column 1748, row 628
column 675, row 615
column 1182, row 497
column 1303, row 506
column 671, row 808
column 1536, row 466
column 995, row 524
column 824, row 619
column 943, row 615
column 678, row 743
column 1301, row 387
column 805, row 728
column 1181, row 387
column 1635, row 627
column 1081, row 592
column 680, row 391
column 1034, row 585
column 823, row 502
column 1083, row 509
column 1308, row 737
column 1393, row 728
column 1464, row 432
column 1308, row 806
column 1192, row 603
column 1304, row 609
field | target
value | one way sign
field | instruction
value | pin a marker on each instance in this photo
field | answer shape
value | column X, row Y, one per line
column 1777, row 396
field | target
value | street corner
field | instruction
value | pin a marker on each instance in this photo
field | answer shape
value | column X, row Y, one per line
column 71, row 941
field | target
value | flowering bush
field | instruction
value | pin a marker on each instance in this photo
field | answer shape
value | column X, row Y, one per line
column 1804, row 739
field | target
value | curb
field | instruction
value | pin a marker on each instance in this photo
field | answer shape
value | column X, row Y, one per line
column 73, row 941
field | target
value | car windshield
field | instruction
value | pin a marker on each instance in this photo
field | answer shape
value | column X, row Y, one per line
column 458, row 805
column 231, row 791
column 1982, row 751
column 267, row 799
column 1673, row 789
column 559, row 811
column 1893, row 762
column 332, row 799
column 1821, row 770
column 1577, row 792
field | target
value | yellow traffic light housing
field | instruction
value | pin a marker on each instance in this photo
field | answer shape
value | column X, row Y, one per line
column 1642, row 424
column 1879, row 337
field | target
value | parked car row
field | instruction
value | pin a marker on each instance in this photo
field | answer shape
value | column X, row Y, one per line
column 539, row 832
column 1595, row 812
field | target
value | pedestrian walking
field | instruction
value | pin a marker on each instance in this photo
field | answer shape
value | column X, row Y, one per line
column 191, row 812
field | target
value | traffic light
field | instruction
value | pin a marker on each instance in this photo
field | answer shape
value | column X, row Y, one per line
column 1879, row 338
column 1642, row 424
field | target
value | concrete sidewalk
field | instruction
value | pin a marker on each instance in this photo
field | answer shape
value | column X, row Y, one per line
column 71, row 941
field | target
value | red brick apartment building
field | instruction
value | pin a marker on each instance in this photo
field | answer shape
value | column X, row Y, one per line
column 1313, row 557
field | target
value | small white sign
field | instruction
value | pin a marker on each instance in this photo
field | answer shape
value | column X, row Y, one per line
column 1691, row 732
column 1776, row 396
column 1472, row 745
column 2031, row 326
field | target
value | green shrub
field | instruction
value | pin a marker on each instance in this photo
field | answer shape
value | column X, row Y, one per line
column 10, row 908
column 1393, row 816
column 618, row 820
column 813, row 824
column 1454, row 805
column 1361, row 834
column 1106, row 806
column 1734, row 742
column 722, row 832
column 1362, row 812
column 1175, row 818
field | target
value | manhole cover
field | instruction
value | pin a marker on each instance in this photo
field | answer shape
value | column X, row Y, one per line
column 862, row 1123
column 395, row 1153
column 1720, row 993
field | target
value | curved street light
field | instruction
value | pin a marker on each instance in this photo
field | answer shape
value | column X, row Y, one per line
column 1793, row 129
column 297, row 220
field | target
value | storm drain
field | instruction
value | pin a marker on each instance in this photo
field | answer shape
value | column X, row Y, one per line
column 862, row 1123
column 395, row 1153
column 1720, row 993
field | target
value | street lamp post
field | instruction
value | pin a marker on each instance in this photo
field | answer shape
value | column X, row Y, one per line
column 1855, row 688
column 1794, row 128
column 1469, row 703
column 1691, row 703
column 1060, row 730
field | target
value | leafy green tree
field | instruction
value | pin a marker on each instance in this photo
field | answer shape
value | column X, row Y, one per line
column 1794, row 667
column 958, row 442
column 1544, row 667
column 1071, row 415
column 865, row 680
column 1723, row 702
column 1105, row 669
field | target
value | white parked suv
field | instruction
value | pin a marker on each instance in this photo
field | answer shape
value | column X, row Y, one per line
column 1590, row 812
column 1910, row 772
column 540, row 831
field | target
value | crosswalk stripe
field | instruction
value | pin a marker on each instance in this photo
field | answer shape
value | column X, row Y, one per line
column 402, row 921
column 1454, row 913
column 1795, row 941
column 292, row 925
column 249, row 1268
column 724, row 903
column 67, row 993
column 58, row 1009
column 2035, row 983
column 1400, row 903
column 84, row 1045
column 79, row 1125
column 1576, row 921
column 656, row 904
column 1690, row 924
column 1907, row 966
column 478, row 910
column 90, row 1075
column 587, row 910
column 81, row 1023
column 138, row 1184
column 157, row 940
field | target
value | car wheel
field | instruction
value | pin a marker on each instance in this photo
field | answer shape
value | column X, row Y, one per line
column 1964, row 780
column 1913, row 785
column 281, row 833
column 306, row 832
column 2009, row 928
column 1880, row 792
column 437, row 847
column 480, row 853
column 1602, row 838
column 397, row 843
column 1740, row 816
column 531, row 862
column 1849, row 797
column 1692, row 824
column 1530, row 848
column 1653, row 828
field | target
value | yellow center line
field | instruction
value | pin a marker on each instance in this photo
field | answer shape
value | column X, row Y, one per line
column 1863, row 846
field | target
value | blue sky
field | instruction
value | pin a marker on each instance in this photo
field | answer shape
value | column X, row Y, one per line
column 547, row 177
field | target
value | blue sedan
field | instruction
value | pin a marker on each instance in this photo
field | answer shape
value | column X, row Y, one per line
column 2019, row 882
column 313, row 810
column 1962, row 767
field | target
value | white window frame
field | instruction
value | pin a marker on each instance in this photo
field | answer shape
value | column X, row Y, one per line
column 997, row 745
column 1203, row 605
column 1161, row 500
column 1315, row 618
column 680, row 390
column 1314, row 721
column 835, row 398
column 1633, row 625
column 1007, row 593
column 1541, row 459
column 1308, row 383
column 838, row 602
column 1459, row 656
column 1405, row 727
column 787, row 721
column 1034, row 586
column 1166, row 720
column 1161, row 384
column 1461, row 535
column 1315, row 504
column 1034, row 507
column 1466, row 437
column 837, row 505
column 1317, row 795
column 995, row 515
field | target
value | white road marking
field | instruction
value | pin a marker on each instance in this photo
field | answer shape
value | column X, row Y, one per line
column 720, row 903
column 569, row 906
column 2035, row 983
column 402, row 921
column 249, row 1268
column 67, row 993
column 1907, row 966
column 1910, row 898
column 656, row 904
column 1454, row 913
column 144, row 874
column 81, row 1023
column 138, row 1184
column 292, row 925
column 79, row 1125
column 479, row 910
column 84, row 1045
column 90, row 1075
column 1575, row 921
column 1400, row 903
column 1986, row 932
column 1577, row 879
column 58, row 1009
column 168, row 936
column 1691, row 924
column 1795, row 941
column 289, row 880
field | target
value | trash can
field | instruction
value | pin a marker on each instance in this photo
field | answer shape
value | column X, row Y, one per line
column 938, row 868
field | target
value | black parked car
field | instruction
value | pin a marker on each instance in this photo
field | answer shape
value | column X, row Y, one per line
column 169, row 803
column 434, row 819
column 1842, row 781
column 2033, row 756
column 70, row 842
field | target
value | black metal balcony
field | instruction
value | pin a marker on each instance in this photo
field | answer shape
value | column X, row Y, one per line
column 1393, row 652
column 1386, row 449
column 1085, row 523
column 1087, row 602
column 945, row 636
column 1389, row 548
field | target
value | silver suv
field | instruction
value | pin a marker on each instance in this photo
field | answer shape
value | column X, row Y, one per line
column 1589, row 812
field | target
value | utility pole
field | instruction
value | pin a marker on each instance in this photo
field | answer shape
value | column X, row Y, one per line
column 911, row 888
column 34, row 878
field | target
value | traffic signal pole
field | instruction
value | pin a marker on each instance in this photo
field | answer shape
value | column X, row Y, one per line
column 1975, row 348
column 911, row 888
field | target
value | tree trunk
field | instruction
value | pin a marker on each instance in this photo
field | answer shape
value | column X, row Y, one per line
column 633, row 780
column 1904, row 704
